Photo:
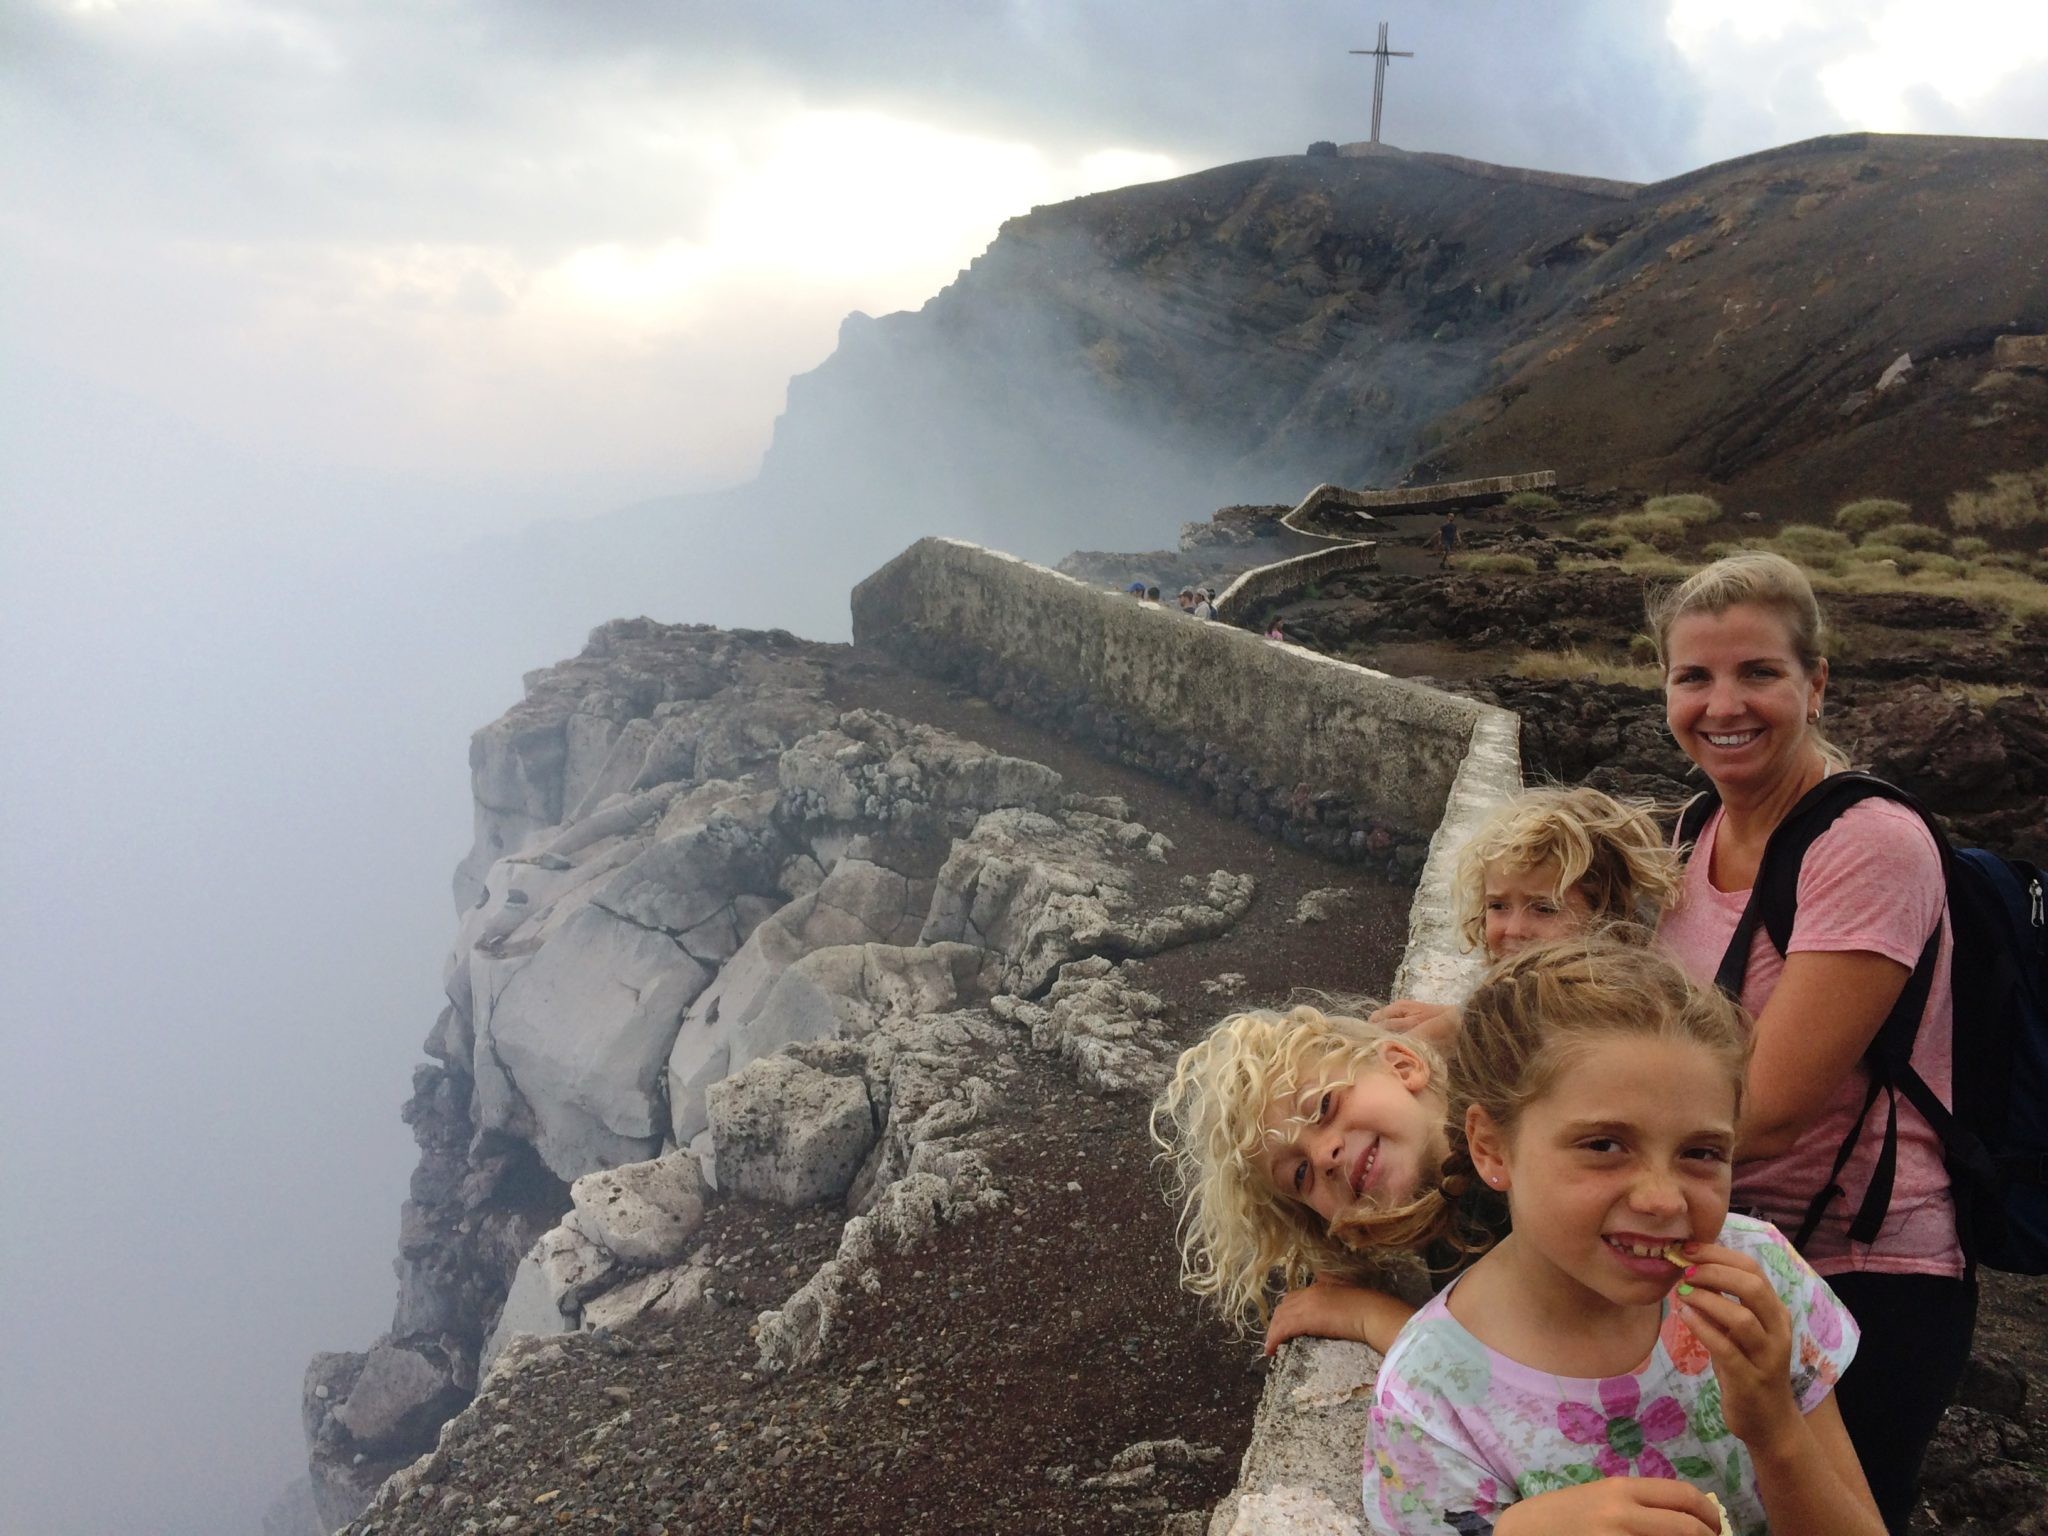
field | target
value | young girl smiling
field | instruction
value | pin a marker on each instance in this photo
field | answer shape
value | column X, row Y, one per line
column 1560, row 1385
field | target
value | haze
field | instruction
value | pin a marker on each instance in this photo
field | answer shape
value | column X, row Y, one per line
column 317, row 321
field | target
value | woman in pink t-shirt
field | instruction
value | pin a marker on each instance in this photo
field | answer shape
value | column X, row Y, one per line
column 1744, row 678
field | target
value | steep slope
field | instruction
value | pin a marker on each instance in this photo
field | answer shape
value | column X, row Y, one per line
column 1732, row 323
column 1285, row 321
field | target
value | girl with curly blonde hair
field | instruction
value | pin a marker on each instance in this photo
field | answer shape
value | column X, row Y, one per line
column 1275, row 1127
column 1549, row 862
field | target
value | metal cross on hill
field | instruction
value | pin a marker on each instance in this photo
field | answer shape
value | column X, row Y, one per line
column 1379, row 57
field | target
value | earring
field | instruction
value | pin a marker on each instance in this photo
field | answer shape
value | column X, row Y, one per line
column 1814, row 718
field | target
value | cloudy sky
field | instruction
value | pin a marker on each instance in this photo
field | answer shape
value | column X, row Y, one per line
column 298, row 296
column 576, row 249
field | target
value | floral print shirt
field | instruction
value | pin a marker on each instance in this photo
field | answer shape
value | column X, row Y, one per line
column 1458, row 1433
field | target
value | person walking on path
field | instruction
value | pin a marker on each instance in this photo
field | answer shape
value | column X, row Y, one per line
column 1446, row 543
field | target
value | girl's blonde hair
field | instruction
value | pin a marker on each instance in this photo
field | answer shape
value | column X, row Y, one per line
column 1534, row 1014
column 1607, row 849
column 1753, row 579
column 1236, row 1230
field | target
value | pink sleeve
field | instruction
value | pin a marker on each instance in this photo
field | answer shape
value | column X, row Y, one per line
column 1872, row 881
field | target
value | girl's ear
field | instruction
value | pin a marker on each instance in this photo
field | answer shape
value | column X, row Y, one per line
column 1488, row 1147
column 1406, row 1063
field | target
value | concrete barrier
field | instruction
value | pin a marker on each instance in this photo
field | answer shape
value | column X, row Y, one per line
column 1345, row 760
column 1284, row 578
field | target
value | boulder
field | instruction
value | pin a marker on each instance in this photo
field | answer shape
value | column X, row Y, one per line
column 788, row 1133
column 667, row 1293
column 530, row 1308
column 582, row 1035
column 644, row 1214
column 398, row 1401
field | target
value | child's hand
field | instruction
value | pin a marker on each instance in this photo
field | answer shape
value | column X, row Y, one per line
column 1614, row 1506
column 1749, row 1339
column 1333, row 1309
column 1434, row 1022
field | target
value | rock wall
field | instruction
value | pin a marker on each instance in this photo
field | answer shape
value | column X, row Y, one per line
column 1349, row 762
column 1283, row 578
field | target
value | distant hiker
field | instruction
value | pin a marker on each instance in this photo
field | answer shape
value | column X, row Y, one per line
column 1186, row 600
column 1205, row 603
column 1152, row 596
column 1446, row 541
column 1275, row 632
column 1137, row 590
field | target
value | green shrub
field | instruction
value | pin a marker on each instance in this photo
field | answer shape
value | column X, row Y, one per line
column 1969, row 547
column 1911, row 536
column 1873, row 552
column 1665, row 530
column 1689, row 507
column 1721, row 549
column 1593, row 527
column 1860, row 517
column 1929, row 563
column 2013, row 501
column 2005, row 560
column 1533, row 503
column 1803, row 541
column 1499, row 565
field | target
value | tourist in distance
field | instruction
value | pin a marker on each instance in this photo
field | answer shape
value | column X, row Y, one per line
column 1205, row 603
column 1548, row 862
column 1445, row 543
column 1275, row 632
column 1629, row 1344
column 1744, row 682
column 1152, row 596
column 1186, row 600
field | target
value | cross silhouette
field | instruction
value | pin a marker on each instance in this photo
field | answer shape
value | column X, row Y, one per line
column 1379, row 57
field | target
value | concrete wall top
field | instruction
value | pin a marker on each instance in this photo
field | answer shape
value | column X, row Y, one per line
column 1298, row 716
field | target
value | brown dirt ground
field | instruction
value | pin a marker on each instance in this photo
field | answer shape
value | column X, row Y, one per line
column 994, row 1372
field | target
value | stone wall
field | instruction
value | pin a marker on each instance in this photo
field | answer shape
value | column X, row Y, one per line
column 1283, row 578
column 1353, row 764
column 1598, row 186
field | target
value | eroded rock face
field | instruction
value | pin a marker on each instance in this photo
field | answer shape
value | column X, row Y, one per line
column 703, row 902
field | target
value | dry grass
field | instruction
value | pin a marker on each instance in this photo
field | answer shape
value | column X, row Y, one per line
column 1860, row 517
column 1908, row 536
column 2013, row 592
column 1533, row 503
column 2013, row 501
column 1984, row 695
column 1496, row 565
column 1689, row 507
column 1576, row 666
column 1663, row 530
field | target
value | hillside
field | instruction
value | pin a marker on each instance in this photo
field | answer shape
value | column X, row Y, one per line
column 1281, row 322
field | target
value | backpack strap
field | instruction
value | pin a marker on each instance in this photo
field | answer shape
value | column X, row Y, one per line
column 1773, row 904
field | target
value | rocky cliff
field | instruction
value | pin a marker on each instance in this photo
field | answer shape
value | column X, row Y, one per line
column 724, row 938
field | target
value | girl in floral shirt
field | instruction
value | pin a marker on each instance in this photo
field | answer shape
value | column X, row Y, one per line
column 1562, row 1385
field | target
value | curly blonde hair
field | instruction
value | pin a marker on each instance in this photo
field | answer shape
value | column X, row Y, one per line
column 1531, row 1017
column 1237, row 1232
column 1609, row 850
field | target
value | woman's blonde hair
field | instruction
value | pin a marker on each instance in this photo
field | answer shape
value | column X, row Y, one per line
column 1236, row 1230
column 1609, row 850
column 1533, row 1016
column 1755, row 579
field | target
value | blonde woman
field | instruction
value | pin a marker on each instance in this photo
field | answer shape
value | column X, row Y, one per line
column 1745, row 682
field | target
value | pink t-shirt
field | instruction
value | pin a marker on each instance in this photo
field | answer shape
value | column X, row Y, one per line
column 1871, row 882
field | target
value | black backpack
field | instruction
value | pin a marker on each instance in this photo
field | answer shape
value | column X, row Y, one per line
column 1995, row 1141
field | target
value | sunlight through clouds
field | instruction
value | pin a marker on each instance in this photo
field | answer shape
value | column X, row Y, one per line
column 1880, row 62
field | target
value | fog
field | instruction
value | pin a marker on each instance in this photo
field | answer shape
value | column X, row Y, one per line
column 355, row 360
